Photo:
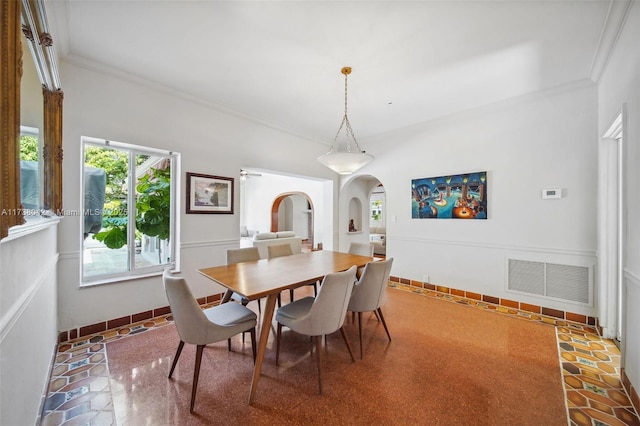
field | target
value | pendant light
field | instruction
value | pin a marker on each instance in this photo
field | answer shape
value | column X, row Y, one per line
column 345, row 155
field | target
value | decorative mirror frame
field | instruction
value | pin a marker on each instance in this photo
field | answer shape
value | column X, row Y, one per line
column 34, row 26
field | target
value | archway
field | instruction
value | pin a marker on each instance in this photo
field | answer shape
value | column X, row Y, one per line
column 288, row 210
column 369, row 218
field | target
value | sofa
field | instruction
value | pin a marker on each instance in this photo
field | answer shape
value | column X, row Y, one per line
column 264, row 239
column 378, row 237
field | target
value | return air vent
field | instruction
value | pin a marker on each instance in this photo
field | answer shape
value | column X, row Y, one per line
column 567, row 282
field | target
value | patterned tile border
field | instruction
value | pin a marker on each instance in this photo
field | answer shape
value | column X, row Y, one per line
column 591, row 374
column 126, row 321
column 80, row 394
column 79, row 391
column 508, row 303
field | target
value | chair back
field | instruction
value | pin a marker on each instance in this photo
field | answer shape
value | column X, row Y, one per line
column 368, row 292
column 279, row 250
column 362, row 249
column 330, row 305
column 191, row 322
column 245, row 254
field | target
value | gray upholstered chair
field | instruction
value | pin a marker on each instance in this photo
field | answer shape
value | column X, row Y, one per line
column 368, row 293
column 201, row 327
column 362, row 249
column 244, row 254
column 320, row 315
column 279, row 250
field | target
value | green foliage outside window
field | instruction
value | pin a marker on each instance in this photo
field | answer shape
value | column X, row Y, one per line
column 376, row 210
column 153, row 203
column 28, row 148
column 153, row 211
column 153, row 207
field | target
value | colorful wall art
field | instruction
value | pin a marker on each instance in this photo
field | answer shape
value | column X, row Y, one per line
column 462, row 196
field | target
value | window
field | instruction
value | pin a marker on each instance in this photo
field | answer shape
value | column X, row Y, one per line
column 376, row 210
column 30, row 174
column 125, row 184
column 376, row 207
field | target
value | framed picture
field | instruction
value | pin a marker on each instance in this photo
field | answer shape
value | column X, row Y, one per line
column 209, row 194
column 461, row 196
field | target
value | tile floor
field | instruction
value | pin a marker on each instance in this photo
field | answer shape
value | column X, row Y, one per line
column 80, row 393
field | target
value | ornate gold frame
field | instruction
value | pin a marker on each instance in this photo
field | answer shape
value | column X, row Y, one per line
column 34, row 26
column 10, row 73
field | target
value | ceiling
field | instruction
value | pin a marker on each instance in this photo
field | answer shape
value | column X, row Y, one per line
column 279, row 62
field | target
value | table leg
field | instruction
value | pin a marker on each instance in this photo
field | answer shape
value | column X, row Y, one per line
column 265, row 329
column 226, row 297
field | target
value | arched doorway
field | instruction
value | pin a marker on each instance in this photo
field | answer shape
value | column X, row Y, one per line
column 363, row 200
column 293, row 211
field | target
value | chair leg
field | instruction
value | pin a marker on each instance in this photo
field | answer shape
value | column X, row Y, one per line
column 196, row 374
column 377, row 316
column 229, row 343
column 279, row 301
column 278, row 335
column 319, row 351
column 315, row 289
column 384, row 323
column 253, row 343
column 259, row 306
column 346, row 341
column 175, row 358
column 360, row 331
column 291, row 295
column 243, row 302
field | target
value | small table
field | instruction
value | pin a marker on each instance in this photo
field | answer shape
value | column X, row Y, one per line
column 268, row 277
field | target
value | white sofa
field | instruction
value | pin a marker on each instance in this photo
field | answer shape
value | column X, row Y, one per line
column 378, row 237
column 265, row 239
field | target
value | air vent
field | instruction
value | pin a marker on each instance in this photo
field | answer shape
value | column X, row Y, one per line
column 567, row 282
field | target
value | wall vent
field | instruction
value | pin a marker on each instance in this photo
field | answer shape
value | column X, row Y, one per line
column 566, row 282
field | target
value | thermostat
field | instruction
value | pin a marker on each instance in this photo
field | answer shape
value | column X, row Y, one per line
column 552, row 193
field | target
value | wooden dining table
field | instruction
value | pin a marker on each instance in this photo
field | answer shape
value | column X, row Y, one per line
column 268, row 277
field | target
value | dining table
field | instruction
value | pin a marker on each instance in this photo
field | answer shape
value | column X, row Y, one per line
column 268, row 277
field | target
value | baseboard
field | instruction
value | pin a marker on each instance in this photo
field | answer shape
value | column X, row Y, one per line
column 631, row 390
column 536, row 309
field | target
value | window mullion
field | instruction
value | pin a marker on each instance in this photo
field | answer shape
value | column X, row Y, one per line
column 131, row 212
column 175, row 173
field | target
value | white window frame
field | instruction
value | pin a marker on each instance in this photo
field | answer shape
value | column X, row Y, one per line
column 133, row 273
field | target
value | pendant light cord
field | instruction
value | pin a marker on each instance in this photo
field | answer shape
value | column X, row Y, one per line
column 345, row 119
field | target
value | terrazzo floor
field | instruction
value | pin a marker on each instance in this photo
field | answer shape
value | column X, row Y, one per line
column 80, row 392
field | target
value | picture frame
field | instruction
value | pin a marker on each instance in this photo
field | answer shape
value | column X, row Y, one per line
column 461, row 196
column 209, row 194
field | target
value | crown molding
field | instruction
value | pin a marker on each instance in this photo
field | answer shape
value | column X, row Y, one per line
column 105, row 69
column 611, row 30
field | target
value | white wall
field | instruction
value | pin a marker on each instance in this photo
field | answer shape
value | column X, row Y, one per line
column 28, row 329
column 354, row 202
column 259, row 193
column 294, row 215
column 546, row 140
column 209, row 141
column 620, row 84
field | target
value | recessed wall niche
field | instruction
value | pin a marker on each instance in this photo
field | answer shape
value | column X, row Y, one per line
column 355, row 215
